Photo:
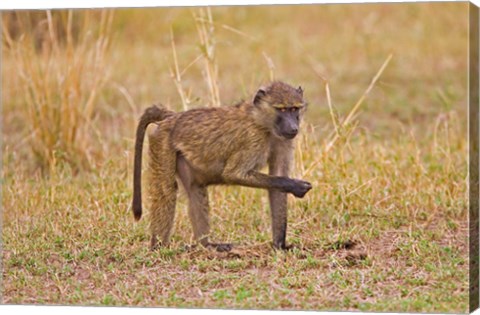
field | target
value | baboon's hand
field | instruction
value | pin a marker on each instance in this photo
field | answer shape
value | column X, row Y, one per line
column 300, row 188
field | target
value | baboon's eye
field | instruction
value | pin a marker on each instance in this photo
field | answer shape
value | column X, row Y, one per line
column 293, row 109
column 283, row 110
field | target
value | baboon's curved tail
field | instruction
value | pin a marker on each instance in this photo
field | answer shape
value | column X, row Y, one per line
column 151, row 114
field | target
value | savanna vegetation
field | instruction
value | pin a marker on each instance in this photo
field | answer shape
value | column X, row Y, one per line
column 383, row 143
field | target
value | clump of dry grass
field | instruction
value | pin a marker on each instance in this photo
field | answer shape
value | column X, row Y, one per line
column 62, row 74
column 344, row 129
column 206, row 35
column 206, row 42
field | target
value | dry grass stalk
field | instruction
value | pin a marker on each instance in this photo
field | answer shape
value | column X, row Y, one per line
column 205, row 30
column 344, row 130
column 333, row 114
column 347, row 121
column 271, row 66
column 206, row 34
column 238, row 32
column 61, row 79
column 176, row 75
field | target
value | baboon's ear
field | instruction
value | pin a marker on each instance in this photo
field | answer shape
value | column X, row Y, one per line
column 300, row 90
column 259, row 96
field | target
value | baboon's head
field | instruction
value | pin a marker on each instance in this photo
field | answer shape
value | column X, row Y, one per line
column 281, row 107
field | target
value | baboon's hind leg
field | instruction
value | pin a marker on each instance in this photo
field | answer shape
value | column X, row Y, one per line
column 198, row 207
column 162, row 188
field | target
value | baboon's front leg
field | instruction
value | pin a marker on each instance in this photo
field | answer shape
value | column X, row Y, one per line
column 279, row 165
column 278, row 212
column 239, row 170
column 256, row 179
column 198, row 207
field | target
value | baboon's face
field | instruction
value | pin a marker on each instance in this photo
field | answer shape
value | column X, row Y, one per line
column 287, row 122
column 283, row 106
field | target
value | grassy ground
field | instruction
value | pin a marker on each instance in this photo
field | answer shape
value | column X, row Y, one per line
column 383, row 229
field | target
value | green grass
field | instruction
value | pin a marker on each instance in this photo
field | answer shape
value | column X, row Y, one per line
column 395, row 189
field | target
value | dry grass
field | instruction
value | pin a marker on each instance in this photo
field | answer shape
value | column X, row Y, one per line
column 61, row 72
column 383, row 229
column 206, row 29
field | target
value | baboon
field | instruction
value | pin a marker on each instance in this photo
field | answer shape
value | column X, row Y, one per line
column 224, row 145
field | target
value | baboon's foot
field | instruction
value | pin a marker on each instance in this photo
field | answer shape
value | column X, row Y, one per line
column 154, row 247
column 348, row 244
column 283, row 247
column 220, row 247
column 155, row 244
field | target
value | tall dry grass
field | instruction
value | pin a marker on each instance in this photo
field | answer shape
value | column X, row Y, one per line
column 206, row 43
column 61, row 62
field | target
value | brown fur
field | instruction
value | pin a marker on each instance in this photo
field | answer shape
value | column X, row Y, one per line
column 221, row 145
